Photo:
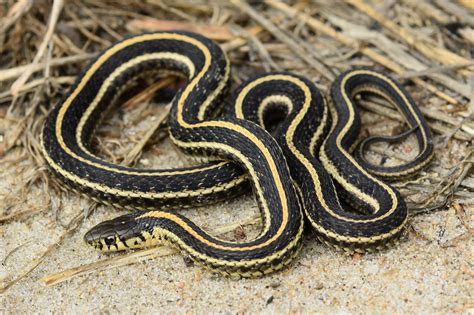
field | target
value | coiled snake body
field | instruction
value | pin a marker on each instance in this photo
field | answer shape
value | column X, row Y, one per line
column 291, row 173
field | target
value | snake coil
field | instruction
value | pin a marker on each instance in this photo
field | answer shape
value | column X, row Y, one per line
column 291, row 172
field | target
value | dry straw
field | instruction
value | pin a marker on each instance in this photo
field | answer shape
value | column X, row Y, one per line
column 427, row 45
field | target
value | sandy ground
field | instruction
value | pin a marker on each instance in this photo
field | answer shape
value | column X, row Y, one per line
column 428, row 272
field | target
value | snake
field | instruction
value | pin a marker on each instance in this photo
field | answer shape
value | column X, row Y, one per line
column 275, row 133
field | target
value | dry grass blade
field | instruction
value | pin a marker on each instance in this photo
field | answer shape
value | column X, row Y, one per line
column 147, row 93
column 16, row 11
column 460, row 12
column 239, row 42
column 12, row 73
column 432, row 52
column 118, row 261
column 16, row 215
column 375, row 56
column 55, row 11
column 134, row 154
column 273, row 29
column 429, row 10
column 396, row 51
column 35, row 83
column 427, row 72
column 72, row 226
column 80, row 26
column 427, row 45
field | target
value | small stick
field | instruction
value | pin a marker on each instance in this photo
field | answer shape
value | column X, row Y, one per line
column 57, row 6
column 432, row 52
column 372, row 54
column 73, row 225
column 13, row 73
column 133, row 155
column 429, row 71
column 37, row 82
column 148, row 92
column 273, row 29
column 105, row 264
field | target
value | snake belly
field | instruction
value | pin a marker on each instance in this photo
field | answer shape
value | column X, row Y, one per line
column 244, row 150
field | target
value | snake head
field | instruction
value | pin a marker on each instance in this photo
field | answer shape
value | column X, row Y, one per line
column 117, row 234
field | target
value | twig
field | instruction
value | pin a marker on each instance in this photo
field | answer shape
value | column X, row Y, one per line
column 432, row 52
column 273, row 29
column 459, row 12
column 329, row 31
column 429, row 71
column 133, row 155
column 73, row 225
column 56, row 9
column 15, row 72
column 16, row 11
column 35, row 83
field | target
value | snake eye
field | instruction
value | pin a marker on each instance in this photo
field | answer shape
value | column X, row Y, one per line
column 109, row 240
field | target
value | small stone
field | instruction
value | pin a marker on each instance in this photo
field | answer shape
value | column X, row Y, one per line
column 371, row 268
column 197, row 276
column 356, row 257
column 270, row 299
column 239, row 234
column 275, row 284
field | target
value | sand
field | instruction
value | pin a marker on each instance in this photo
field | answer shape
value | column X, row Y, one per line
column 429, row 271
